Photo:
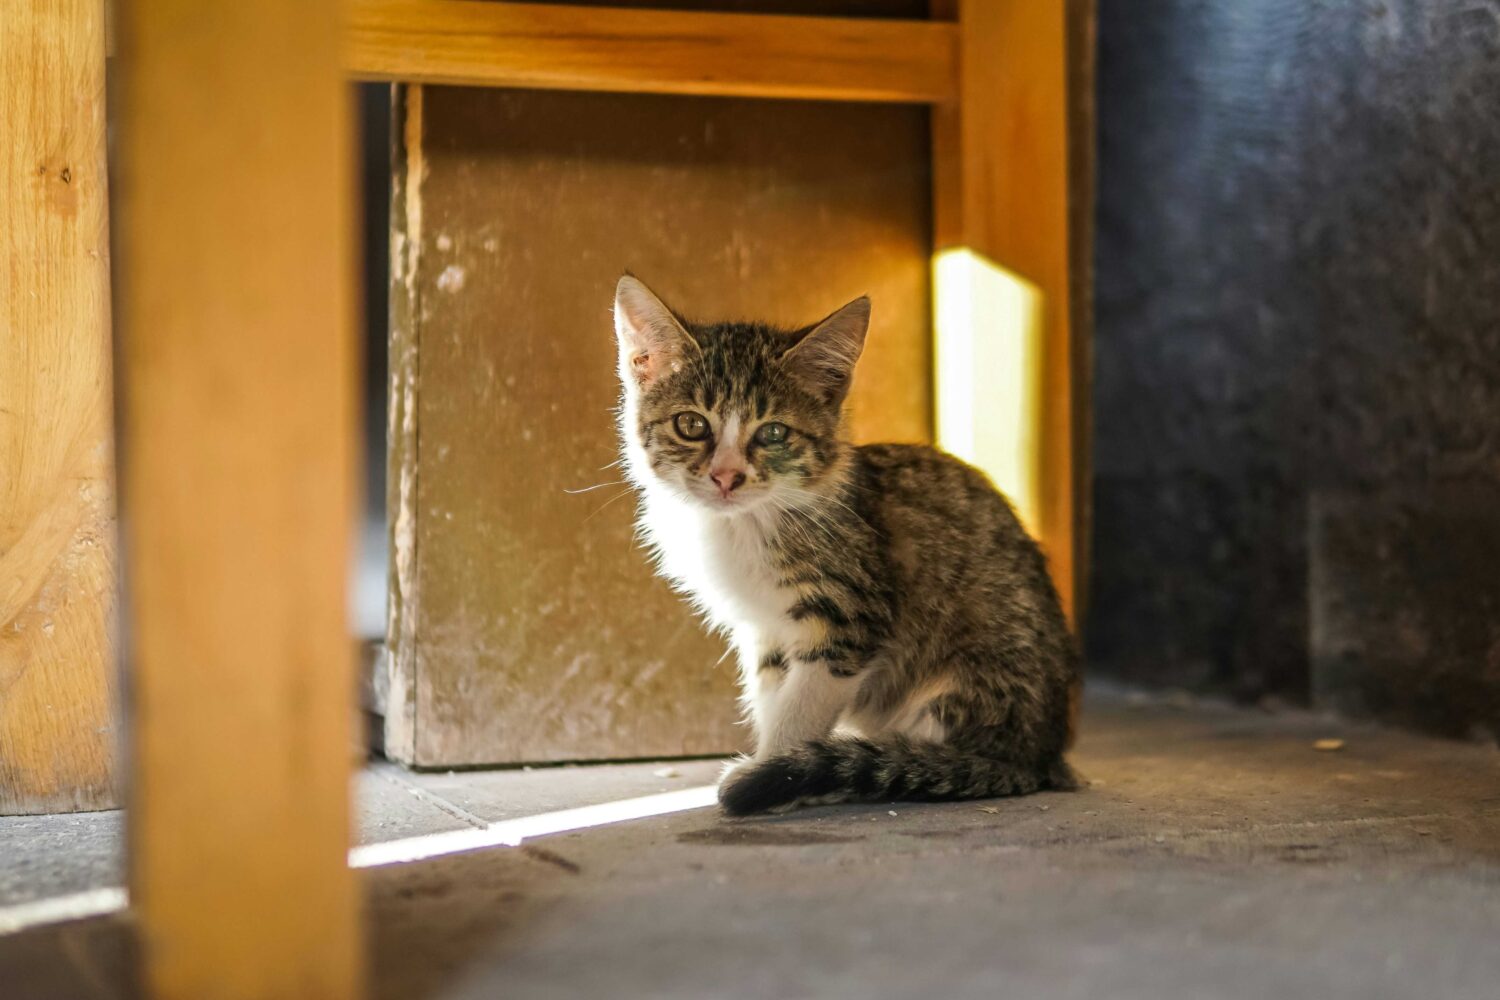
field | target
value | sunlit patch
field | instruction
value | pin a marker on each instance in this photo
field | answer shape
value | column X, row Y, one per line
column 511, row 832
column 987, row 324
column 61, row 909
column 506, row 833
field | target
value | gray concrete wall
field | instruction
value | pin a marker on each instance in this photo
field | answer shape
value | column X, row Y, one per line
column 1298, row 353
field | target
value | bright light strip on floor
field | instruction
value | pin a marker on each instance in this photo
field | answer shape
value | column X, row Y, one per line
column 511, row 832
column 506, row 833
column 61, row 909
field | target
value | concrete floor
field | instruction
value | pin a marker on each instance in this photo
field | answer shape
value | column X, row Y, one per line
column 1216, row 855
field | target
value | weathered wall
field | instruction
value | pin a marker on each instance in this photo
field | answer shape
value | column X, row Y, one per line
column 1298, row 352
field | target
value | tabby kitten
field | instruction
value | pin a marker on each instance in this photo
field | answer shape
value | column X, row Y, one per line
column 898, row 635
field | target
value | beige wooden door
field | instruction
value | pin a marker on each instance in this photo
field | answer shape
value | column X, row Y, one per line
column 527, row 625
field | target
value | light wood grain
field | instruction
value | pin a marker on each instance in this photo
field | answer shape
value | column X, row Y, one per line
column 553, row 46
column 57, row 530
column 237, row 379
column 1001, row 189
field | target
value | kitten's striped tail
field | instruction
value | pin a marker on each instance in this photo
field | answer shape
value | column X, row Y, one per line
column 846, row 769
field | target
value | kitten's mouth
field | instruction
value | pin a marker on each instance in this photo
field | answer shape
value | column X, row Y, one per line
column 735, row 503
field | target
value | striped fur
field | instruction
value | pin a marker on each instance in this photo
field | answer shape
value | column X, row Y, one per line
column 846, row 768
column 897, row 631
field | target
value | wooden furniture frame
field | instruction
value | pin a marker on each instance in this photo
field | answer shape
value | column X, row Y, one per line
column 236, row 373
column 996, row 73
column 57, row 543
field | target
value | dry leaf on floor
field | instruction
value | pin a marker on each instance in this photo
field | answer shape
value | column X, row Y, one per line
column 992, row 810
column 1328, row 744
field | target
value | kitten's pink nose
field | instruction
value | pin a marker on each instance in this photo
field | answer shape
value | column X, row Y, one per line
column 728, row 480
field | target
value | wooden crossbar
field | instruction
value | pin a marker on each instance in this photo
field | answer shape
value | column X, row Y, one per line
column 557, row 47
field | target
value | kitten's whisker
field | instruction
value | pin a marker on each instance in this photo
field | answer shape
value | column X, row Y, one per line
column 797, row 531
column 801, row 518
column 622, row 493
column 810, row 511
column 822, row 525
column 596, row 486
column 787, row 522
column 818, row 499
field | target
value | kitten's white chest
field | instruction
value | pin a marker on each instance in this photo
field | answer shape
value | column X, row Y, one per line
column 724, row 564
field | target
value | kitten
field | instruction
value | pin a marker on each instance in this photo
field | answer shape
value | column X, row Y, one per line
column 897, row 633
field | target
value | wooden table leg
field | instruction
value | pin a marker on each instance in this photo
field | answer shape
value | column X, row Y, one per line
column 1001, row 198
column 237, row 375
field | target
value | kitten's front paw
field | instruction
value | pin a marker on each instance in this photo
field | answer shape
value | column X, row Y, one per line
column 733, row 768
column 751, row 785
column 742, row 788
column 736, row 776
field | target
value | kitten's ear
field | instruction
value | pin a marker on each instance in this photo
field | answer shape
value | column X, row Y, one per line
column 652, row 340
column 824, row 358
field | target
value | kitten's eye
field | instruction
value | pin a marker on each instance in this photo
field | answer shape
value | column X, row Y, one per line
column 771, row 433
column 691, row 426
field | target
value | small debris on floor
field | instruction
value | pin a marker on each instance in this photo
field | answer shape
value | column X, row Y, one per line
column 550, row 857
column 667, row 772
column 992, row 810
column 893, row 812
column 1329, row 744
